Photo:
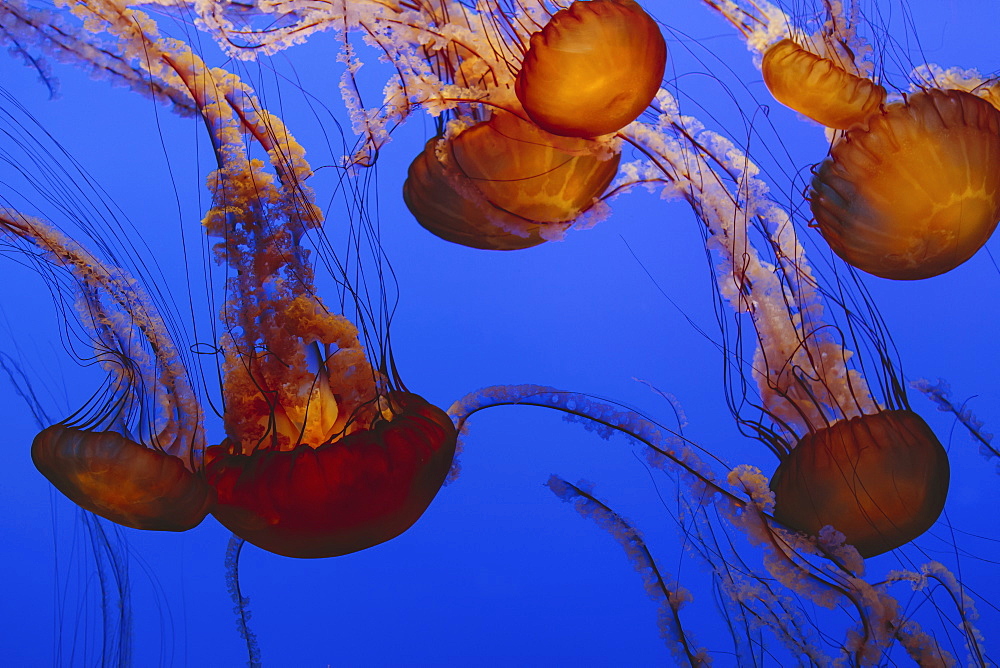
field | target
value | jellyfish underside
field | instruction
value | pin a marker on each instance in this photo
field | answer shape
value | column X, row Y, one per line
column 121, row 480
column 819, row 88
column 505, row 184
column 881, row 480
column 917, row 193
column 592, row 69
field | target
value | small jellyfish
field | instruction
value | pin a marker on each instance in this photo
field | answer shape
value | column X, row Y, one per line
column 818, row 87
column 917, row 193
column 592, row 69
column 505, row 184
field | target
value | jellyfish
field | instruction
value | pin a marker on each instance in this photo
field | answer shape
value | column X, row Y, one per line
column 818, row 87
column 505, row 184
column 592, row 69
column 135, row 457
column 918, row 192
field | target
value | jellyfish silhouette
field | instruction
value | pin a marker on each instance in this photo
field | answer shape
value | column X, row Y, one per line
column 729, row 579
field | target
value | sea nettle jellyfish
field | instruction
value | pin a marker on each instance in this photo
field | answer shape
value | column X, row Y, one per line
column 917, row 192
column 592, row 69
column 911, row 190
column 133, row 455
column 506, row 184
column 324, row 453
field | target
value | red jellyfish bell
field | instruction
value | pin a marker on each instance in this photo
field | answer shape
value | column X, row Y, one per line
column 917, row 193
column 880, row 479
column 592, row 69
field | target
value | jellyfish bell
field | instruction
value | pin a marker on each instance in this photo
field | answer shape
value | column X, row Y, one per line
column 592, row 69
column 338, row 497
column 321, row 458
column 881, row 480
column 818, row 87
column 917, row 193
column 121, row 480
column 505, row 184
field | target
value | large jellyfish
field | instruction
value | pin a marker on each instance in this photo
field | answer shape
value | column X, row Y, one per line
column 581, row 314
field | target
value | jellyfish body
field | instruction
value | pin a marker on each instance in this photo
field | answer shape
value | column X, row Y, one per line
column 341, row 497
column 505, row 184
column 917, row 193
column 592, row 69
column 880, row 479
column 115, row 477
column 818, row 87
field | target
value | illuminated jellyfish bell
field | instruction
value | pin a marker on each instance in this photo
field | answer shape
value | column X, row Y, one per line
column 505, row 184
column 592, row 69
column 818, row 87
column 134, row 456
column 917, row 193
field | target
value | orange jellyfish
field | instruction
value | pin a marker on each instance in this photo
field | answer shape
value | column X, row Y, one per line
column 592, row 69
column 917, row 193
column 818, row 87
column 135, row 457
column 880, row 479
column 505, row 184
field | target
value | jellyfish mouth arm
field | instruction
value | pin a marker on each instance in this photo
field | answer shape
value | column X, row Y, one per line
column 121, row 316
column 28, row 29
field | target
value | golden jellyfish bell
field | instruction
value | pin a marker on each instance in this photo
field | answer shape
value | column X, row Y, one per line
column 819, row 88
column 121, row 480
column 917, row 193
column 500, row 183
column 592, row 69
column 880, row 479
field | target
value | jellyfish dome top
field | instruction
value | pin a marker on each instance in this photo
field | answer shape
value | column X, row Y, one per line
column 911, row 188
column 592, row 69
column 324, row 452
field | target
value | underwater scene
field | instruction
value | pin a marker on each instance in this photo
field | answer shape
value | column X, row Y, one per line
column 431, row 332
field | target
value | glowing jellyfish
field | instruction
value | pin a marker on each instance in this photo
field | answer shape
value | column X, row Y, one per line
column 918, row 192
column 505, row 184
column 819, row 88
column 592, row 69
